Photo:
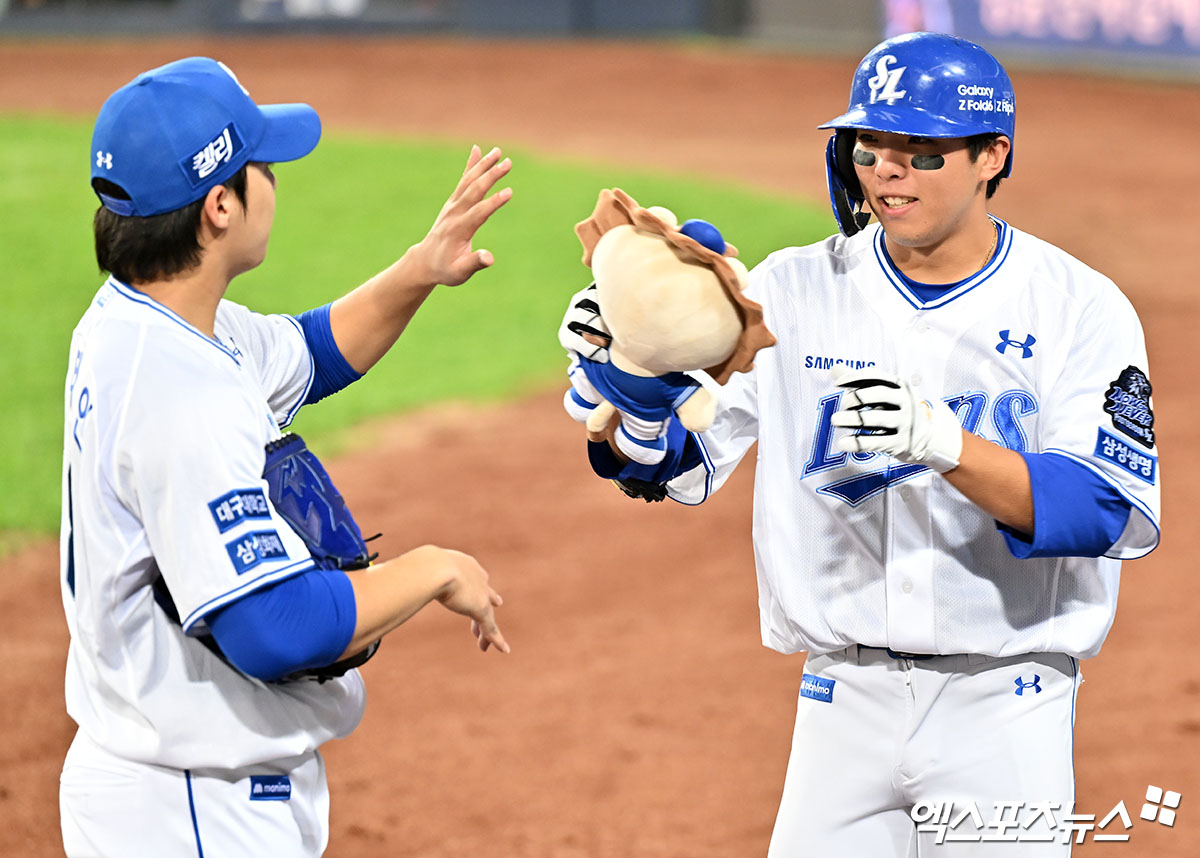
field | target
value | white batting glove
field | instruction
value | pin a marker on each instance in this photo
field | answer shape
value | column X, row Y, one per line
column 583, row 317
column 889, row 418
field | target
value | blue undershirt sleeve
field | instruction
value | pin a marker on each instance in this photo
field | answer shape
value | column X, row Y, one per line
column 302, row 622
column 1076, row 513
column 331, row 372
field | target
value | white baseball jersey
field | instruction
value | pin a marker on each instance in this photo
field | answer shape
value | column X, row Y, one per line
column 1036, row 351
column 162, row 475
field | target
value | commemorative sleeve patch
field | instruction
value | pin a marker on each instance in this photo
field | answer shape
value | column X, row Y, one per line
column 249, row 550
column 1128, row 401
column 232, row 508
column 1141, row 465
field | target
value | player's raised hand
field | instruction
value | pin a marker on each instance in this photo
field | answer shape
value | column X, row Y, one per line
column 445, row 254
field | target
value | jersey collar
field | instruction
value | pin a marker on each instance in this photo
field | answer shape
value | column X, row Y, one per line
column 955, row 290
column 128, row 292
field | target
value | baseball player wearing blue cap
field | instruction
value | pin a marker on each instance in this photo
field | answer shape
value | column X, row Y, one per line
column 217, row 591
column 955, row 452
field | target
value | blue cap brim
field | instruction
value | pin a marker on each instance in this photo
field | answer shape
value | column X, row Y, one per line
column 292, row 131
column 902, row 119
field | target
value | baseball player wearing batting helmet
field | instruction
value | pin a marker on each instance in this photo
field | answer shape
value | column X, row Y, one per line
column 941, row 523
column 216, row 588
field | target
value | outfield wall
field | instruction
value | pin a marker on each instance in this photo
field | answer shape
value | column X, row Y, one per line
column 1157, row 36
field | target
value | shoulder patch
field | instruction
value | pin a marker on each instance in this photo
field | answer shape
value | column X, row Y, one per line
column 1128, row 401
column 249, row 550
column 232, row 508
column 1141, row 465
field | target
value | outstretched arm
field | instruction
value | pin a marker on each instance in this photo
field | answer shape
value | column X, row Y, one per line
column 387, row 594
column 888, row 417
column 368, row 321
column 1049, row 504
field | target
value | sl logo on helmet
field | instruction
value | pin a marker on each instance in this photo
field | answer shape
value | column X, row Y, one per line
column 883, row 85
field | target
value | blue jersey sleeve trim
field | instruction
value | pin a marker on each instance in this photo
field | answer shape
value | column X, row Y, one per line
column 302, row 400
column 332, row 372
column 304, row 622
column 1076, row 512
column 695, row 456
column 194, row 622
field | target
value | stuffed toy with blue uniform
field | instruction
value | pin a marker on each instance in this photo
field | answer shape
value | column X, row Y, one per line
column 668, row 303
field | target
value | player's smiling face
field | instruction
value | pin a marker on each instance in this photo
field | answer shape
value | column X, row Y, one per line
column 920, row 189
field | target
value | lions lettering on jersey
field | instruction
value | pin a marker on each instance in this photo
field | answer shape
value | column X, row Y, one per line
column 1008, row 410
column 853, row 547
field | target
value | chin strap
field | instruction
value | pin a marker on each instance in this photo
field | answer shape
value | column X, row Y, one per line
column 845, row 195
column 849, row 220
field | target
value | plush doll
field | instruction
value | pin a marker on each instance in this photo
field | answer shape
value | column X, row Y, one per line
column 672, row 298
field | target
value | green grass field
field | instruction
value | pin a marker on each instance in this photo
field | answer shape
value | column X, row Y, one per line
column 343, row 213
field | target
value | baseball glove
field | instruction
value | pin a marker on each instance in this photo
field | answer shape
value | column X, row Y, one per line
column 305, row 497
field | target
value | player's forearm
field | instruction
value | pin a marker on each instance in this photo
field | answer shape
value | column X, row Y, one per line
column 996, row 480
column 368, row 321
column 389, row 593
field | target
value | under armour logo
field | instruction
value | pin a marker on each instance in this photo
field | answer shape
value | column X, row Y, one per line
column 883, row 85
column 1026, row 347
column 104, row 159
column 1022, row 685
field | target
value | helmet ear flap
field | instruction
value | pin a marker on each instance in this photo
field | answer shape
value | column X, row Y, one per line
column 845, row 193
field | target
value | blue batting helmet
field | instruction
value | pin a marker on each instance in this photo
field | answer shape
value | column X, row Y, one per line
column 922, row 85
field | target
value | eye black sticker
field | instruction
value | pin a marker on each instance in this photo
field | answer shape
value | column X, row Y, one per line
column 862, row 157
column 928, row 162
column 1128, row 401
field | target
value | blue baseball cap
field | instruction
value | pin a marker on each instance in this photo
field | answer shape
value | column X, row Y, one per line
column 173, row 133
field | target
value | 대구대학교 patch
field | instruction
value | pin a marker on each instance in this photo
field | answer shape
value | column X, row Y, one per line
column 1128, row 401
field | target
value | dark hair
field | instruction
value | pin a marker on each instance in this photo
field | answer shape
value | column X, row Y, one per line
column 975, row 146
column 141, row 249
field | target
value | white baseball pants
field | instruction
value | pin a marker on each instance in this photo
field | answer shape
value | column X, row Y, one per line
column 880, row 741
column 114, row 808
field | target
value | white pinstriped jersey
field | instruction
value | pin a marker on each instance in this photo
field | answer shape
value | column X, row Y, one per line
column 1036, row 351
column 162, row 475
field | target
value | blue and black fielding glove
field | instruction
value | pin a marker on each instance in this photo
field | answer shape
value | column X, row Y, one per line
column 305, row 497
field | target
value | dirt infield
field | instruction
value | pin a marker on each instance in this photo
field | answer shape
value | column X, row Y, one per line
column 638, row 714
